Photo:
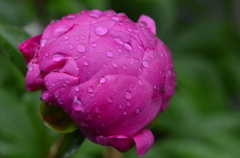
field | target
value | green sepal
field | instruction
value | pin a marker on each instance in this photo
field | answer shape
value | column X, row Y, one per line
column 56, row 118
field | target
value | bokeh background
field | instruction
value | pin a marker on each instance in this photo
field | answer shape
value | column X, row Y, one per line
column 203, row 119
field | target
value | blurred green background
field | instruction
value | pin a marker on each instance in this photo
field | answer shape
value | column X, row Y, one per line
column 203, row 119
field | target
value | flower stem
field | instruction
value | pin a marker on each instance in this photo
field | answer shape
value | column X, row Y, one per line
column 111, row 152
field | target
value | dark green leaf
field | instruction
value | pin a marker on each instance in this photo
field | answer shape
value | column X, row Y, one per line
column 70, row 145
column 10, row 38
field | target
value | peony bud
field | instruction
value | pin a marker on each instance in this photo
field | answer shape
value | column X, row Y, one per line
column 112, row 76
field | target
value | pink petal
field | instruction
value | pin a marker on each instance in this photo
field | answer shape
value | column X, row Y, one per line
column 144, row 140
column 150, row 22
column 34, row 80
column 120, row 142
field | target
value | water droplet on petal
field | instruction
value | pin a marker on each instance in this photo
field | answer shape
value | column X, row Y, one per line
column 114, row 64
column 124, row 67
column 129, row 29
column 71, row 16
column 125, row 113
column 115, row 18
column 94, row 45
column 118, row 41
column 140, row 83
column 60, row 30
column 101, row 30
column 128, row 95
column 142, row 24
column 70, row 46
column 90, row 89
column 102, row 80
column 77, row 104
column 66, row 37
column 140, row 47
column 76, row 88
column 137, row 110
column 145, row 64
column 135, row 31
column 97, row 110
column 57, row 57
column 95, row 13
column 109, row 99
column 127, row 46
column 120, row 106
column 81, row 48
column 85, row 63
column 128, row 104
column 109, row 54
column 30, row 68
column 44, row 42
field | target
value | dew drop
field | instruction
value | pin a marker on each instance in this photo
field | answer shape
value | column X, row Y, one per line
column 114, row 64
column 77, row 104
column 140, row 47
column 129, row 29
column 145, row 64
column 140, row 83
column 128, row 104
column 128, row 95
column 30, row 68
column 85, row 63
column 120, row 106
column 57, row 57
column 135, row 31
column 102, row 80
column 127, row 46
column 118, row 41
column 60, row 30
column 76, row 88
column 66, row 37
column 95, row 13
column 94, row 45
column 44, row 42
column 142, row 24
column 109, row 100
column 81, row 48
column 137, row 111
column 71, row 16
column 97, row 110
column 115, row 18
column 125, row 112
column 90, row 89
column 101, row 30
column 47, row 54
column 124, row 67
column 70, row 46
column 109, row 54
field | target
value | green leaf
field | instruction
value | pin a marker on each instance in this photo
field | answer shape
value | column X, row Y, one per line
column 70, row 144
column 56, row 118
column 10, row 38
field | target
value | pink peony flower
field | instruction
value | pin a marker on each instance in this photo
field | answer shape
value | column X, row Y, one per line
column 112, row 76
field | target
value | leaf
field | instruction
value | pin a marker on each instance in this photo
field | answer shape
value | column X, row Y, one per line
column 10, row 38
column 56, row 118
column 70, row 145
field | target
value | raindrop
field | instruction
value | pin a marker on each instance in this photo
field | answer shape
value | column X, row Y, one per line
column 109, row 99
column 95, row 13
column 142, row 24
column 90, row 89
column 85, row 63
column 60, row 30
column 140, row 47
column 30, row 68
column 109, row 54
column 94, row 45
column 44, row 42
column 128, row 104
column 120, row 106
column 115, row 18
column 140, row 83
column 57, row 57
column 129, row 29
column 145, row 64
column 137, row 110
column 127, row 46
column 103, row 125
column 125, row 113
column 81, row 48
column 77, row 104
column 46, row 55
column 101, row 30
column 124, row 67
column 71, row 16
column 66, row 37
column 83, row 38
column 114, row 64
column 102, row 80
column 135, row 31
column 97, row 110
column 76, row 88
column 53, row 84
column 70, row 46
column 118, row 41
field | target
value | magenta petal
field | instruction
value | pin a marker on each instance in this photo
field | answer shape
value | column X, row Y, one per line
column 120, row 142
column 144, row 140
column 29, row 47
column 150, row 22
column 34, row 80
